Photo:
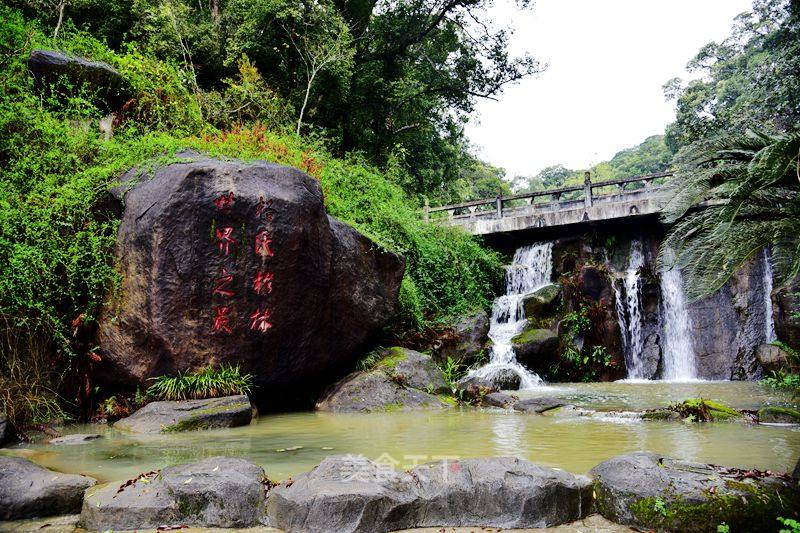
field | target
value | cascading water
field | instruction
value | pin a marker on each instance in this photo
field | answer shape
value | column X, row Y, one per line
column 529, row 271
column 769, row 323
column 629, row 312
column 676, row 330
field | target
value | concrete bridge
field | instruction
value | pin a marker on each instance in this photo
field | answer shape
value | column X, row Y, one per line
column 553, row 211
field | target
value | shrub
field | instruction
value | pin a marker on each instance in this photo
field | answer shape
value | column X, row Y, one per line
column 207, row 382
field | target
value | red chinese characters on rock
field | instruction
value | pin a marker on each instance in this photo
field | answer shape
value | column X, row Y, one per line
column 222, row 319
column 259, row 320
column 225, row 239
column 264, row 207
column 262, row 244
column 262, row 283
column 221, row 283
column 224, row 202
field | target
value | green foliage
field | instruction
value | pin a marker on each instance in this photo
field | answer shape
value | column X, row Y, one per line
column 723, row 528
column 791, row 525
column 751, row 182
column 207, row 382
column 452, row 371
column 28, row 380
column 577, row 322
column 660, row 506
column 782, row 379
column 649, row 157
column 372, row 95
column 582, row 365
column 748, row 81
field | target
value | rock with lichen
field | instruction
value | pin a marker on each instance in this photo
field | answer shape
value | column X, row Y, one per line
column 653, row 492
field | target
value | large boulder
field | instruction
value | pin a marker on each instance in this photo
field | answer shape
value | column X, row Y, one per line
column 28, row 490
column 104, row 84
column 375, row 390
column 502, row 379
column 353, row 494
column 220, row 492
column 649, row 491
column 238, row 263
column 413, row 369
column 772, row 358
column 543, row 302
column 470, row 334
column 3, row 427
column 536, row 348
column 189, row 415
column 345, row 494
column 500, row 492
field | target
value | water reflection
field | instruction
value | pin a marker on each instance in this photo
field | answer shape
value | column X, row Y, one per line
column 508, row 430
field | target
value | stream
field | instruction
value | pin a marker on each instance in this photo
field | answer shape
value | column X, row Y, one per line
column 558, row 439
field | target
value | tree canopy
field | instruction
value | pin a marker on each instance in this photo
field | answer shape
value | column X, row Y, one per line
column 751, row 80
column 394, row 80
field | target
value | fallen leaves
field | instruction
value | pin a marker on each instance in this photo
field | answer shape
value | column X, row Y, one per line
column 144, row 478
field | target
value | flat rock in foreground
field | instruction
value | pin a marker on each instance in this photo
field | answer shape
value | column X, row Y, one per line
column 650, row 491
column 214, row 492
column 354, row 494
column 189, row 415
column 28, row 490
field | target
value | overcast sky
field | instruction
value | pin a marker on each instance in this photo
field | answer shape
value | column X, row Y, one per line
column 602, row 90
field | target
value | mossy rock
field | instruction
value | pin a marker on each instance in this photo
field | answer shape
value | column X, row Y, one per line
column 543, row 303
column 701, row 410
column 413, row 369
column 189, row 415
column 391, row 357
column 778, row 415
column 661, row 414
column 536, row 348
column 532, row 335
column 653, row 492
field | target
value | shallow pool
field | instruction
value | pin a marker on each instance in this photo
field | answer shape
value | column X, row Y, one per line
column 563, row 440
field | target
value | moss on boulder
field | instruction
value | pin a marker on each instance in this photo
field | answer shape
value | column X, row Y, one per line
column 778, row 415
column 653, row 492
column 701, row 410
column 544, row 302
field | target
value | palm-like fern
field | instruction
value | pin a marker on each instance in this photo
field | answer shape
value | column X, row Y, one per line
column 731, row 197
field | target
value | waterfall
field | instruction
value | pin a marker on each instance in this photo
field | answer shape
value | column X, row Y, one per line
column 676, row 330
column 769, row 323
column 530, row 270
column 629, row 312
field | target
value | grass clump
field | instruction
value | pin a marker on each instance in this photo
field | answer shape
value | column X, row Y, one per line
column 207, row 382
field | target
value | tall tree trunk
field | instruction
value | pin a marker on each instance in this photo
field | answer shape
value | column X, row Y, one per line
column 305, row 101
column 214, row 5
column 61, row 7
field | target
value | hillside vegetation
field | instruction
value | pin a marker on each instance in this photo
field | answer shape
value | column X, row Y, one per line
column 56, row 237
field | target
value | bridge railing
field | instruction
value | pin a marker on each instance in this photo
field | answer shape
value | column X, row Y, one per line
column 565, row 197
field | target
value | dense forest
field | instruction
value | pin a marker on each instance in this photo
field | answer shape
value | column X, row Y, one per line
column 369, row 97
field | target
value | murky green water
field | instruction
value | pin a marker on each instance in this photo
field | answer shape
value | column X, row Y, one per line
column 574, row 443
